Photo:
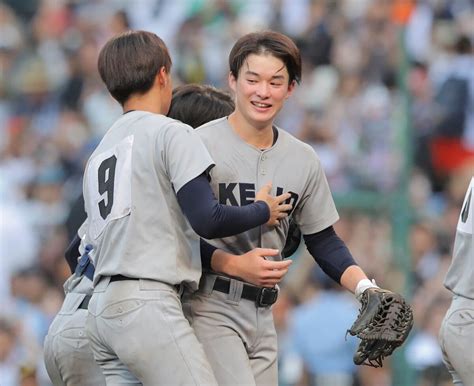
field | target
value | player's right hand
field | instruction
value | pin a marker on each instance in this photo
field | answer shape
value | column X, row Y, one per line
column 254, row 268
column 278, row 208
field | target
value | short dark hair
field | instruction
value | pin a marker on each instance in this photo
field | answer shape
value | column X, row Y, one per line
column 266, row 42
column 130, row 61
column 196, row 104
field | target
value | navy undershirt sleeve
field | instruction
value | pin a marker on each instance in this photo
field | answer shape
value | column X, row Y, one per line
column 209, row 219
column 206, row 254
column 330, row 252
column 72, row 253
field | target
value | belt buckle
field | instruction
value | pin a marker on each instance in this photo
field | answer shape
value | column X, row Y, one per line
column 266, row 297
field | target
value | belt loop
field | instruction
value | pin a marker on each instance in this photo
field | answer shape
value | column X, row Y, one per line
column 102, row 284
column 235, row 290
column 207, row 283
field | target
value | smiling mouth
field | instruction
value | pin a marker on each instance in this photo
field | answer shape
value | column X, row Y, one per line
column 261, row 105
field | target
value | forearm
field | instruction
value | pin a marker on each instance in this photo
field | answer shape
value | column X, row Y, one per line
column 255, row 267
column 207, row 252
column 72, row 253
column 351, row 277
column 223, row 262
column 331, row 253
column 333, row 256
column 210, row 219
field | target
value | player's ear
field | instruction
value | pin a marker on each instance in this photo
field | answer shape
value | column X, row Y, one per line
column 163, row 77
column 232, row 81
column 291, row 88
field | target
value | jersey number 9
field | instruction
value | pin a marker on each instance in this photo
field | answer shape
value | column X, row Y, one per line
column 106, row 177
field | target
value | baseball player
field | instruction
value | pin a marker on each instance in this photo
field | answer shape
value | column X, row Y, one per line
column 457, row 330
column 68, row 356
column 231, row 312
column 193, row 104
column 147, row 198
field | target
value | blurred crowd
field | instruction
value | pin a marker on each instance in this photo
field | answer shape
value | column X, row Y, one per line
column 380, row 108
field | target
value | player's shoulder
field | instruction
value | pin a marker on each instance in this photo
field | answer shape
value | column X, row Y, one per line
column 152, row 120
column 211, row 127
column 162, row 121
column 295, row 144
column 166, row 126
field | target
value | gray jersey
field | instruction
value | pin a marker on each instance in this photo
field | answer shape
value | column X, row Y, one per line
column 134, row 221
column 460, row 276
column 290, row 165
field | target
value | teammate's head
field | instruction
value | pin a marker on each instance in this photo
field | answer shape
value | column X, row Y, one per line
column 196, row 104
column 130, row 62
column 264, row 69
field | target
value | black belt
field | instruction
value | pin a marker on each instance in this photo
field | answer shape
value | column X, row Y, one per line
column 262, row 296
column 121, row 277
column 85, row 302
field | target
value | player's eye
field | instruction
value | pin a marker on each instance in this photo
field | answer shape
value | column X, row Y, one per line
column 251, row 81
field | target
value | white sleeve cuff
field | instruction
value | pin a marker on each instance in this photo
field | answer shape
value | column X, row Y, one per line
column 363, row 285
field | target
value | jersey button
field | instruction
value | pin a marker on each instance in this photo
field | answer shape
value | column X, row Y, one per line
column 262, row 171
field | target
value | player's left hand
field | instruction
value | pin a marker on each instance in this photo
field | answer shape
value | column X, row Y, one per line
column 383, row 324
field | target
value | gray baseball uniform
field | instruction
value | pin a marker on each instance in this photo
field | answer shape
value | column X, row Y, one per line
column 457, row 329
column 137, row 328
column 67, row 353
column 239, row 338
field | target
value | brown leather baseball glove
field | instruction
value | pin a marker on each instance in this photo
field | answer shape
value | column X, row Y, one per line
column 383, row 324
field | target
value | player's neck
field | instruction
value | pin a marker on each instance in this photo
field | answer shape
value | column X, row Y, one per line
column 150, row 102
column 260, row 137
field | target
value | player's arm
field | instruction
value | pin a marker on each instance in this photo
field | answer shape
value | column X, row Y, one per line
column 77, row 216
column 335, row 259
column 74, row 250
column 209, row 219
column 72, row 253
column 252, row 267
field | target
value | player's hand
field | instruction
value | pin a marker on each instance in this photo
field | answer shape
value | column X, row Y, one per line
column 253, row 267
column 278, row 209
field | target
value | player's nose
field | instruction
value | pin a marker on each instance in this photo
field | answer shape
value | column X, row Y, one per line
column 263, row 90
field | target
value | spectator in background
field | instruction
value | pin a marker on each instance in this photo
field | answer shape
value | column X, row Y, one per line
column 17, row 358
column 425, row 250
column 422, row 117
column 10, row 357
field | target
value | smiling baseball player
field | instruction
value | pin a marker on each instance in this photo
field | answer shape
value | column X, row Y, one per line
column 231, row 317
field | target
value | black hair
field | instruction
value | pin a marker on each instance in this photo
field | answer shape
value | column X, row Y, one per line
column 267, row 42
column 130, row 61
column 196, row 104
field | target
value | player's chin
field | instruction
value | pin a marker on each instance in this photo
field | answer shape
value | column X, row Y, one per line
column 263, row 118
